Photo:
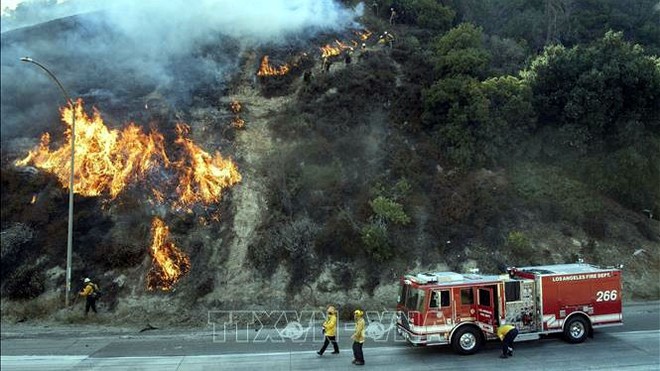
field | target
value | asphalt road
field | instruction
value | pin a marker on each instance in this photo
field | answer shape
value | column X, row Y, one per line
column 634, row 346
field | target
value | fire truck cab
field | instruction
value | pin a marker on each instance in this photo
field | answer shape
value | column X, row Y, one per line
column 465, row 310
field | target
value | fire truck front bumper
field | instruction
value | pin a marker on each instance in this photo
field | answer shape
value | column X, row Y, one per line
column 421, row 339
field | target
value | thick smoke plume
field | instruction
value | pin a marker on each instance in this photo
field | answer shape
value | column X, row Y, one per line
column 123, row 50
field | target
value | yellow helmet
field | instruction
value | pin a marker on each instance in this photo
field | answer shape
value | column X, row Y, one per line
column 331, row 309
column 358, row 313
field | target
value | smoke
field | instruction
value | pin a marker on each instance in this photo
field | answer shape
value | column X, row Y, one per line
column 127, row 49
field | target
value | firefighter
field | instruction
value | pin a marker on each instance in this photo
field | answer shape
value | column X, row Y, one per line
column 507, row 333
column 392, row 15
column 358, row 337
column 91, row 293
column 330, row 331
column 307, row 76
column 386, row 39
column 348, row 56
column 327, row 62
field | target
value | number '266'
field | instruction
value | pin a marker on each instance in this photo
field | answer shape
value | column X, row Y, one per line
column 607, row 295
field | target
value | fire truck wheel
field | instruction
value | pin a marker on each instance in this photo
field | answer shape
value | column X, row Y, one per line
column 576, row 330
column 466, row 340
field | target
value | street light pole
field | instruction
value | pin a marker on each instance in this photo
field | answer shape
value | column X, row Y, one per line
column 69, row 239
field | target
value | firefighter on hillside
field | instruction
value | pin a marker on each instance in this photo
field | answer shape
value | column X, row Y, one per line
column 330, row 331
column 325, row 66
column 90, row 292
column 392, row 15
column 386, row 39
column 348, row 56
column 507, row 333
column 358, row 337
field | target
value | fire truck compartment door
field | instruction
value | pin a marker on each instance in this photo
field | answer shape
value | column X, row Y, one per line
column 486, row 309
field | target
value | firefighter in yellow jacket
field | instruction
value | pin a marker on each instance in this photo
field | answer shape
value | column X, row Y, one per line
column 90, row 292
column 358, row 337
column 507, row 333
column 330, row 331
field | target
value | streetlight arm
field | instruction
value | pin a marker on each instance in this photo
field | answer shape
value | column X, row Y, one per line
column 66, row 95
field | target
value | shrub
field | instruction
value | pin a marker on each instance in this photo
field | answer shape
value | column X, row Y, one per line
column 388, row 210
column 376, row 243
column 27, row 282
column 519, row 245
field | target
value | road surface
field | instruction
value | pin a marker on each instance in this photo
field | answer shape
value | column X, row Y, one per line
column 634, row 346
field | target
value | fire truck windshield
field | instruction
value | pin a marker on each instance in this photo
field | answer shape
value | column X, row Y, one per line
column 411, row 298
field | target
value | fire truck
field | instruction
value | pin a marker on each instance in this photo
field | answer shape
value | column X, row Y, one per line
column 465, row 310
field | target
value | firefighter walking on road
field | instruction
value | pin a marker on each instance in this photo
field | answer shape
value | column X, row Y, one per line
column 91, row 293
column 330, row 331
column 358, row 337
column 507, row 333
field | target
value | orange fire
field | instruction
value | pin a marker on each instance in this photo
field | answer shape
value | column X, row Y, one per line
column 168, row 262
column 265, row 69
column 365, row 35
column 108, row 160
column 203, row 177
column 328, row 50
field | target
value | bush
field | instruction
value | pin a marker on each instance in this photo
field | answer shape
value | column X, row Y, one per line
column 376, row 242
column 27, row 282
column 389, row 211
column 520, row 246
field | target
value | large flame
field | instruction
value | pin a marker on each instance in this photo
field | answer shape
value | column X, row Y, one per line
column 106, row 160
column 265, row 69
column 202, row 177
column 168, row 262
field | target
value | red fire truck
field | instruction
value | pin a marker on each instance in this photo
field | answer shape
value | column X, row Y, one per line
column 464, row 310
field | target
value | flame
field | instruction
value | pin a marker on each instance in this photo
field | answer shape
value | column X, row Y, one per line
column 168, row 262
column 106, row 160
column 365, row 35
column 202, row 177
column 328, row 51
column 265, row 69
column 34, row 199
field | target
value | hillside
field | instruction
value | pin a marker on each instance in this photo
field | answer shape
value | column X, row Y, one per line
column 461, row 144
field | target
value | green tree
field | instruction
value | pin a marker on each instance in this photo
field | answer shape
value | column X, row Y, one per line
column 511, row 118
column 455, row 107
column 461, row 51
column 601, row 86
column 428, row 14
